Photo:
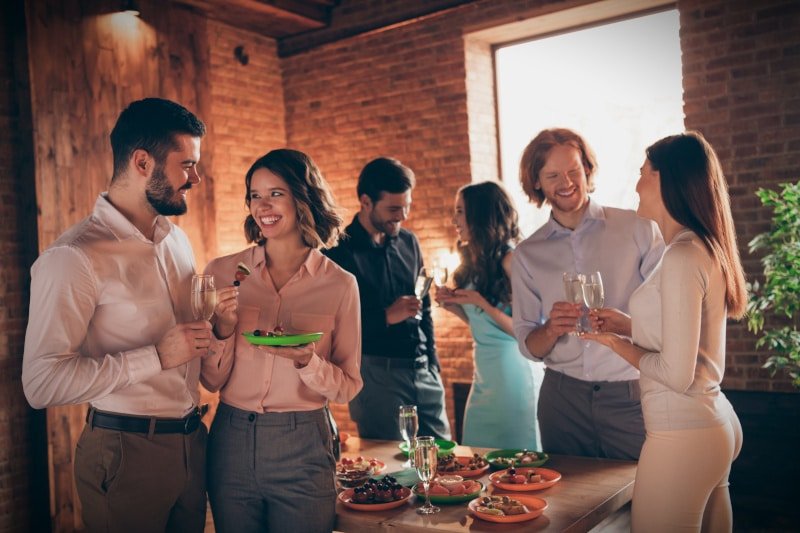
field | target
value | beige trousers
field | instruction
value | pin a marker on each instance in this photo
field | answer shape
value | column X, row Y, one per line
column 682, row 480
column 128, row 482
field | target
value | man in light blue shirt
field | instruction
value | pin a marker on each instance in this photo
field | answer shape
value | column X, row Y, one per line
column 589, row 400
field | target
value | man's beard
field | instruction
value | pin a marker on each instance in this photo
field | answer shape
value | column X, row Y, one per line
column 383, row 225
column 160, row 193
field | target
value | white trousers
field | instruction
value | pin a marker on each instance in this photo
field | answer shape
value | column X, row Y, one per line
column 682, row 480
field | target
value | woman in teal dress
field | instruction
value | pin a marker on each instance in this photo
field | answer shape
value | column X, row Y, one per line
column 501, row 408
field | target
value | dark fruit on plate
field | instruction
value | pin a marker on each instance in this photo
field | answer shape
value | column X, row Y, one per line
column 257, row 333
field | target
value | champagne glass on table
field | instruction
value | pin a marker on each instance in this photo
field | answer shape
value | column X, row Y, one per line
column 593, row 293
column 421, row 287
column 573, row 289
column 425, row 460
column 409, row 425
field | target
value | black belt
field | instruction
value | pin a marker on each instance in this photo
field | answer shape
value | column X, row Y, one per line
column 146, row 424
column 395, row 362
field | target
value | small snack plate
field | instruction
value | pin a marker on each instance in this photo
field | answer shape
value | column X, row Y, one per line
column 297, row 339
column 535, row 505
column 550, row 477
column 346, row 497
column 502, row 459
column 463, row 460
column 379, row 466
column 445, row 447
column 440, row 498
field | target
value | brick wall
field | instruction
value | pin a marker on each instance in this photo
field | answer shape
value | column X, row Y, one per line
column 247, row 119
column 23, row 467
column 741, row 68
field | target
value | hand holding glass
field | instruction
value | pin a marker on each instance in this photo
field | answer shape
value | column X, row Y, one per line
column 573, row 289
column 204, row 296
column 409, row 425
column 425, row 461
column 421, row 287
column 593, row 294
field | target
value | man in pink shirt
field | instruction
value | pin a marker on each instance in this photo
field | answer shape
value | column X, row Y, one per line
column 111, row 325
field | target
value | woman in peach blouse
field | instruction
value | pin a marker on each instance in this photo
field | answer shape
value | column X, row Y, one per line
column 270, row 464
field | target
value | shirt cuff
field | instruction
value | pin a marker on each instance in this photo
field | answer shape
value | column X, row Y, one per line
column 143, row 363
column 313, row 366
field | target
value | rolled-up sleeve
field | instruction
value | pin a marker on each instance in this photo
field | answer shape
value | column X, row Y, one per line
column 63, row 302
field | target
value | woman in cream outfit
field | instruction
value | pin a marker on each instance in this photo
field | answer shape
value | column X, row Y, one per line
column 677, row 328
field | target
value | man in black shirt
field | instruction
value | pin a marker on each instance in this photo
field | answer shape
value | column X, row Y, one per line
column 399, row 364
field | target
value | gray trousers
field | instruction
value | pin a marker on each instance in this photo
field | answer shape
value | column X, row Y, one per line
column 390, row 383
column 271, row 472
column 590, row 418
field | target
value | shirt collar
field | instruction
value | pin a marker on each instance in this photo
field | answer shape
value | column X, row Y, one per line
column 312, row 263
column 360, row 236
column 594, row 211
column 121, row 227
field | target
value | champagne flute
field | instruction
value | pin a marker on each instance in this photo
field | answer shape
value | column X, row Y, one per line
column 409, row 425
column 573, row 288
column 204, row 296
column 593, row 293
column 421, row 287
column 425, row 461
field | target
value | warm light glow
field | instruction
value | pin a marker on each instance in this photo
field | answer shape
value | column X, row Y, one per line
column 126, row 30
column 619, row 85
column 448, row 259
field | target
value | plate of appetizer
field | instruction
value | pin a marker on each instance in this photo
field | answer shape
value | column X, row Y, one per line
column 371, row 464
column 445, row 447
column 501, row 459
column 507, row 509
column 522, row 479
column 462, row 465
column 376, row 495
column 450, row 489
column 278, row 337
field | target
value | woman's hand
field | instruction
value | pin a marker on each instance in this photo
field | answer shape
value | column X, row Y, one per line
column 464, row 296
column 301, row 355
column 443, row 295
column 226, row 312
column 606, row 339
column 610, row 320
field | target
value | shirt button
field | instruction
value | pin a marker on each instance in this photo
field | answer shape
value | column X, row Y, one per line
column 596, row 388
column 251, row 417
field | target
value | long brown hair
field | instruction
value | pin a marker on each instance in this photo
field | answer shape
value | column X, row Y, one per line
column 317, row 214
column 493, row 227
column 535, row 156
column 695, row 194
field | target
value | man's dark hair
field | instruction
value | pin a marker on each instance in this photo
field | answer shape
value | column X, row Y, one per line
column 384, row 174
column 151, row 124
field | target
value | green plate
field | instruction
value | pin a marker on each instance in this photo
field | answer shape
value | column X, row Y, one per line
column 297, row 339
column 445, row 447
column 509, row 453
column 438, row 498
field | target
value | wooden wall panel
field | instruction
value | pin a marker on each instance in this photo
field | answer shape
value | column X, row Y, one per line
column 86, row 64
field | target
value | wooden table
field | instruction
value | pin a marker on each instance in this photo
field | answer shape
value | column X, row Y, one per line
column 590, row 490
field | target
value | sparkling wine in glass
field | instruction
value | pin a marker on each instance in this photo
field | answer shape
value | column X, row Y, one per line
column 204, row 296
column 421, row 287
column 425, row 460
column 573, row 289
column 409, row 425
column 593, row 294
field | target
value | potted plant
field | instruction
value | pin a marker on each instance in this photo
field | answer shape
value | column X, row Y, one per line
column 779, row 296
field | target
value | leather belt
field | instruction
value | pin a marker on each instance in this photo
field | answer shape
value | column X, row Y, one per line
column 146, row 424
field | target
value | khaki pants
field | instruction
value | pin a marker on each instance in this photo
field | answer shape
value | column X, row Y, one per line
column 129, row 483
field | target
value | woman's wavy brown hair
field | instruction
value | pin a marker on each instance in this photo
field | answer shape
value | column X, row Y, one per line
column 317, row 214
column 493, row 227
column 695, row 193
column 535, row 156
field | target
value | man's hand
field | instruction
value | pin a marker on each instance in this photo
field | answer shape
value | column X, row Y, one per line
column 402, row 309
column 226, row 312
column 183, row 343
column 563, row 318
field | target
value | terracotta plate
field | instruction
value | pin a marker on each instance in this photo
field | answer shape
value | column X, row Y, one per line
column 550, row 478
column 535, row 505
column 346, row 497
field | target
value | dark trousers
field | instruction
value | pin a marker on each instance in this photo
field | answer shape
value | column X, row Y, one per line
column 390, row 383
column 590, row 418
column 271, row 472
column 128, row 482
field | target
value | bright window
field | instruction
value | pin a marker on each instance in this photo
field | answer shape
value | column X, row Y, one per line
column 618, row 85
